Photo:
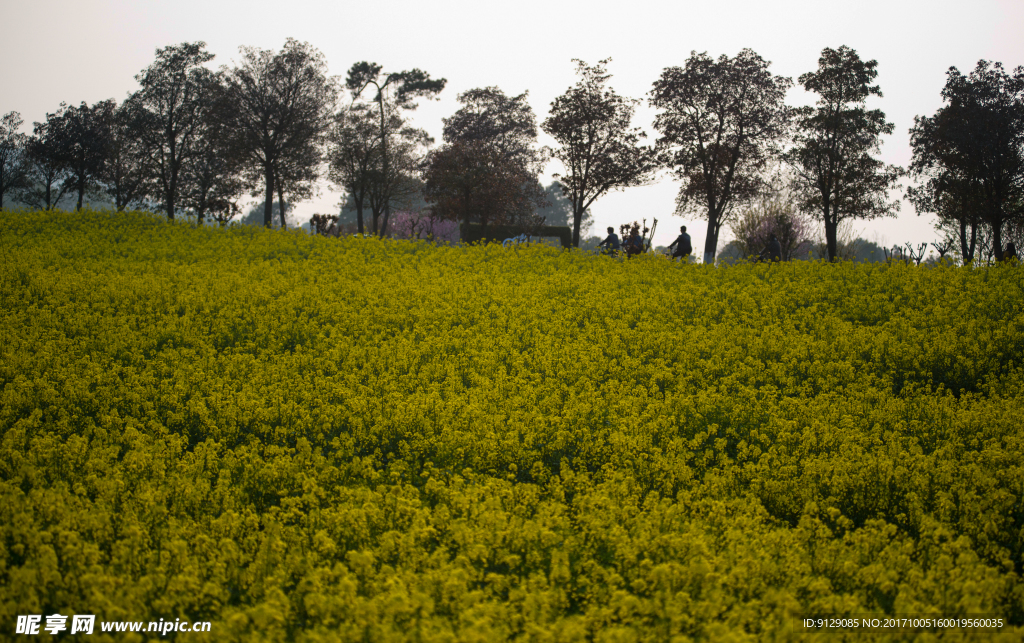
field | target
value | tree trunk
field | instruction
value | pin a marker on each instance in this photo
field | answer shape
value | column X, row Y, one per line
column 384, row 162
column 359, row 215
column 997, row 240
column 268, row 201
column 967, row 248
column 81, row 195
column 170, row 197
column 280, row 203
column 831, row 238
column 711, row 242
column 201, row 209
column 577, row 221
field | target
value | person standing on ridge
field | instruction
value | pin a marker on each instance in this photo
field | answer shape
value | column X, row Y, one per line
column 681, row 244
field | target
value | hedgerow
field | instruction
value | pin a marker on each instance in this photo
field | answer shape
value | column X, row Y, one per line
column 300, row 438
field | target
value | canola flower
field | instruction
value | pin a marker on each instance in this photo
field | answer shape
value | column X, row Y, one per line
column 299, row 438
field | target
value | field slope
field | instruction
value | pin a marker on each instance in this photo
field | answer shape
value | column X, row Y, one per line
column 311, row 439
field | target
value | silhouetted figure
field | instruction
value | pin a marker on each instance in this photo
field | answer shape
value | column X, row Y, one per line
column 1010, row 254
column 611, row 243
column 773, row 252
column 634, row 243
column 681, row 244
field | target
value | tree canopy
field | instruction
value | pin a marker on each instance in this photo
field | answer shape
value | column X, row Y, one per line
column 836, row 173
column 406, row 87
column 174, row 90
column 277, row 109
column 597, row 145
column 970, row 154
column 722, row 122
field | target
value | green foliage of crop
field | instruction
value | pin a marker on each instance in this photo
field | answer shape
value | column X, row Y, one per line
column 312, row 439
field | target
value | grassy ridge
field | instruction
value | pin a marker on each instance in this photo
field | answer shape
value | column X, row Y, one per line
column 305, row 439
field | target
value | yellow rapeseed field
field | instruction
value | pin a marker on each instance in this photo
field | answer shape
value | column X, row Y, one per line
column 308, row 439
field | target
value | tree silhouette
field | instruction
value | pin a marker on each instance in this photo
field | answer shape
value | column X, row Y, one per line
column 971, row 154
column 174, row 90
column 721, row 123
column 277, row 109
column 13, row 164
column 836, row 174
column 407, row 85
column 597, row 146
column 49, row 176
column 128, row 178
column 85, row 134
column 489, row 164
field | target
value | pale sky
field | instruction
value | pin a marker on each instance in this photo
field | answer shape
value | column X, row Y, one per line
column 90, row 50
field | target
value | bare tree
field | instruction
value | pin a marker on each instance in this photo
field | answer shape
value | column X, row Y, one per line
column 722, row 122
column 597, row 146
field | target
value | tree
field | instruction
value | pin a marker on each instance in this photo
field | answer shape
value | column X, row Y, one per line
column 557, row 210
column 255, row 215
column 357, row 164
column 491, row 140
column 85, row 134
column 175, row 89
column 471, row 181
column 954, row 200
column 721, row 123
column 129, row 180
column 278, row 109
column 213, row 172
column 971, row 155
column 407, row 85
column 598, row 148
column 505, row 124
column 354, row 155
column 49, row 175
column 296, row 176
column 400, row 185
column 836, row 175
column 13, row 164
